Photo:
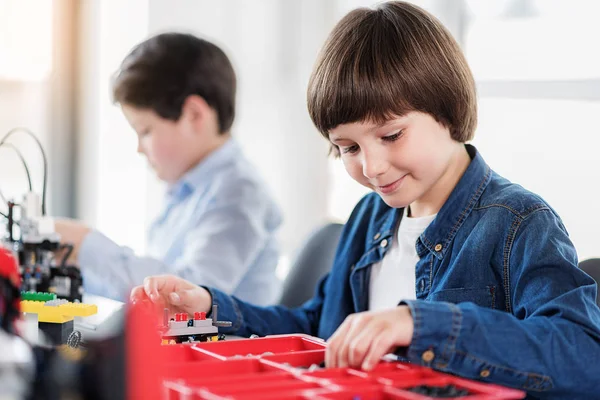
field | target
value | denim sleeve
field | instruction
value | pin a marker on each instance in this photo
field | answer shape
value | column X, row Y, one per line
column 248, row 319
column 218, row 252
column 549, row 345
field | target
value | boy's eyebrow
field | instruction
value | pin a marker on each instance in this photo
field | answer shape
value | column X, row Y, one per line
column 374, row 128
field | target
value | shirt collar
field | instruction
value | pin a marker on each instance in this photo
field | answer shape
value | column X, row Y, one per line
column 204, row 172
column 439, row 234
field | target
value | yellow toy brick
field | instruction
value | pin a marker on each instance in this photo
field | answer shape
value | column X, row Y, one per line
column 79, row 309
column 58, row 313
column 45, row 313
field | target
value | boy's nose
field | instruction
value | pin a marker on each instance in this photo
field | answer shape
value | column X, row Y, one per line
column 373, row 166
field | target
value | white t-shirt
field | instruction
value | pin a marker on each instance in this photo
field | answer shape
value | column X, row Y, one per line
column 393, row 278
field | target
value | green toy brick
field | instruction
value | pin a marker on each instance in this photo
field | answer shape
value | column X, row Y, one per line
column 38, row 296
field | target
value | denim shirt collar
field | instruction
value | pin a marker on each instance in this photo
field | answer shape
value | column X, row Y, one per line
column 439, row 234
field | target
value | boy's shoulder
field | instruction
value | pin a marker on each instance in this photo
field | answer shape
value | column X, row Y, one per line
column 227, row 172
column 237, row 182
column 500, row 192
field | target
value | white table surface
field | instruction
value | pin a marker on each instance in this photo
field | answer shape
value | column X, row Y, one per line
column 102, row 323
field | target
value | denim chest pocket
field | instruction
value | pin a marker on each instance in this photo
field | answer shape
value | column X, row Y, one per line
column 484, row 297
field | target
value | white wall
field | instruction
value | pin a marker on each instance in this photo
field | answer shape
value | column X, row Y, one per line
column 22, row 104
column 112, row 179
column 24, row 92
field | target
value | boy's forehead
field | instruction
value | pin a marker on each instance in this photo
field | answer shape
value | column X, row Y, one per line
column 138, row 115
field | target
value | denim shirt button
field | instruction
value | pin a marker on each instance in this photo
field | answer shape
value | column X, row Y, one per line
column 377, row 236
column 438, row 247
column 484, row 373
column 428, row 356
column 384, row 243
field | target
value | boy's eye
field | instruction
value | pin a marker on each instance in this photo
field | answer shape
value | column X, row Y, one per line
column 393, row 137
column 350, row 149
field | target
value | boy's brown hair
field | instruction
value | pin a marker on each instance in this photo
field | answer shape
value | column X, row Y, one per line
column 161, row 72
column 387, row 61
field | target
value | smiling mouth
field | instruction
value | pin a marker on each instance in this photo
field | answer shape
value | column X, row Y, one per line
column 391, row 187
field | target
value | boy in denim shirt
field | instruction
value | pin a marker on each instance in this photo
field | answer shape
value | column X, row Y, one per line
column 447, row 264
column 219, row 222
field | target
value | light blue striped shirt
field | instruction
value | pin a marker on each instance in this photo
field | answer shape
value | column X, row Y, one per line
column 217, row 229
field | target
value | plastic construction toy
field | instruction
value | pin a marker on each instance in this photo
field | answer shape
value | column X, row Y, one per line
column 290, row 367
column 38, row 296
column 197, row 329
column 134, row 365
column 55, row 316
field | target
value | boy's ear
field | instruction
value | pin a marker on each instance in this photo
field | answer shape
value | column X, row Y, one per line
column 195, row 110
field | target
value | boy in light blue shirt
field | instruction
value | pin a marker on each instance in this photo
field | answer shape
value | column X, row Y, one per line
column 219, row 222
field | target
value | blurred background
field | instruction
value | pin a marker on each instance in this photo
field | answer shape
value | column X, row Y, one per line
column 536, row 63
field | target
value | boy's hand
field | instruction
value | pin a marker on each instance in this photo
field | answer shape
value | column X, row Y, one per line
column 71, row 232
column 174, row 293
column 364, row 338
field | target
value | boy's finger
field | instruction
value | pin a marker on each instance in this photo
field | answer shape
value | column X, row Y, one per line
column 137, row 294
column 359, row 344
column 331, row 353
column 342, row 352
column 174, row 298
column 339, row 351
column 150, row 287
column 380, row 346
column 190, row 299
column 165, row 283
column 357, row 325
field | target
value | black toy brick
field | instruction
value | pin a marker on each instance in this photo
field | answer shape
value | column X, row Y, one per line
column 57, row 333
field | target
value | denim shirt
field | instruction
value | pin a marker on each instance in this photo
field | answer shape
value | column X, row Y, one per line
column 500, row 297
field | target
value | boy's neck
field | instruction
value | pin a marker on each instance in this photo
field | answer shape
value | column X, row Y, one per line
column 216, row 143
column 432, row 201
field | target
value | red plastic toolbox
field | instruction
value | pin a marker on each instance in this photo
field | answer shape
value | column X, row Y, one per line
column 290, row 367
column 260, row 347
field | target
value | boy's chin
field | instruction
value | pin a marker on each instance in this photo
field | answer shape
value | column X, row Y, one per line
column 165, row 176
column 394, row 200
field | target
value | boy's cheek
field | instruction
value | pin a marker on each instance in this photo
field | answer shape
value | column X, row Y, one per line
column 162, row 154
